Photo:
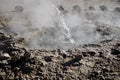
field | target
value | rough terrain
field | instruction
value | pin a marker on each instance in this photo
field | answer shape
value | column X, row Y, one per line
column 87, row 62
column 91, row 21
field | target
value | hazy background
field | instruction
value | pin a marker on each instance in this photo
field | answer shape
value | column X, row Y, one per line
column 62, row 24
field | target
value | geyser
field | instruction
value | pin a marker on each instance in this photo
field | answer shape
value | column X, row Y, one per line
column 62, row 24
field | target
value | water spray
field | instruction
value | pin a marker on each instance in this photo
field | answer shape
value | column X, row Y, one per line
column 66, row 30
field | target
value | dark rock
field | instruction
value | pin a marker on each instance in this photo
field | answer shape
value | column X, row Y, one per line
column 48, row 58
column 1, row 78
column 118, row 0
column 61, row 8
column 93, row 75
column 92, row 53
column 103, row 30
column 103, row 8
column 91, row 8
column 115, row 52
column 85, row 54
column 76, row 59
column 64, row 56
column 117, row 9
column 77, row 8
column 27, row 69
column 19, row 8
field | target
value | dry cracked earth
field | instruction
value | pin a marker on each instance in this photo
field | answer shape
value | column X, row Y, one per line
column 88, row 62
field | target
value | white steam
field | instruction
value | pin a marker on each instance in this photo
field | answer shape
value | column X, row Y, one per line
column 46, row 24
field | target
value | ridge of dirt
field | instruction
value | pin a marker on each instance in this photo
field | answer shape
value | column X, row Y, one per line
column 88, row 62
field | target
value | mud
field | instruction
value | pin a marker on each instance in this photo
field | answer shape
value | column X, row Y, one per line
column 87, row 62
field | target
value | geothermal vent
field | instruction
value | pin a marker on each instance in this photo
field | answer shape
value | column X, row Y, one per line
column 53, row 24
column 59, row 39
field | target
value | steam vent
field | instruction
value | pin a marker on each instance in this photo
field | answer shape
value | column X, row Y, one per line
column 59, row 39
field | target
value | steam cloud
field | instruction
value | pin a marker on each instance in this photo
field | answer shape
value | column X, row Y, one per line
column 46, row 24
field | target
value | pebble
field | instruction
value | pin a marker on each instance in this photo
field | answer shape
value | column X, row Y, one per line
column 4, row 56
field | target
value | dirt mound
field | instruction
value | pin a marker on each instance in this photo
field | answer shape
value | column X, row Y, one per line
column 88, row 62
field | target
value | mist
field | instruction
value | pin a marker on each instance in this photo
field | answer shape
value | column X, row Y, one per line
column 52, row 24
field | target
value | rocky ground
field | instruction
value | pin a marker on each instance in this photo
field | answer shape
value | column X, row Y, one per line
column 87, row 62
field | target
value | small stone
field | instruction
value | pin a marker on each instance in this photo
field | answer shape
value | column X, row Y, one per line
column 92, row 53
column 4, row 56
column 93, row 74
column 117, row 9
column 71, row 62
column 77, row 8
column 48, row 58
column 103, row 8
column 61, row 8
column 19, row 8
column 91, row 8
column 115, row 52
